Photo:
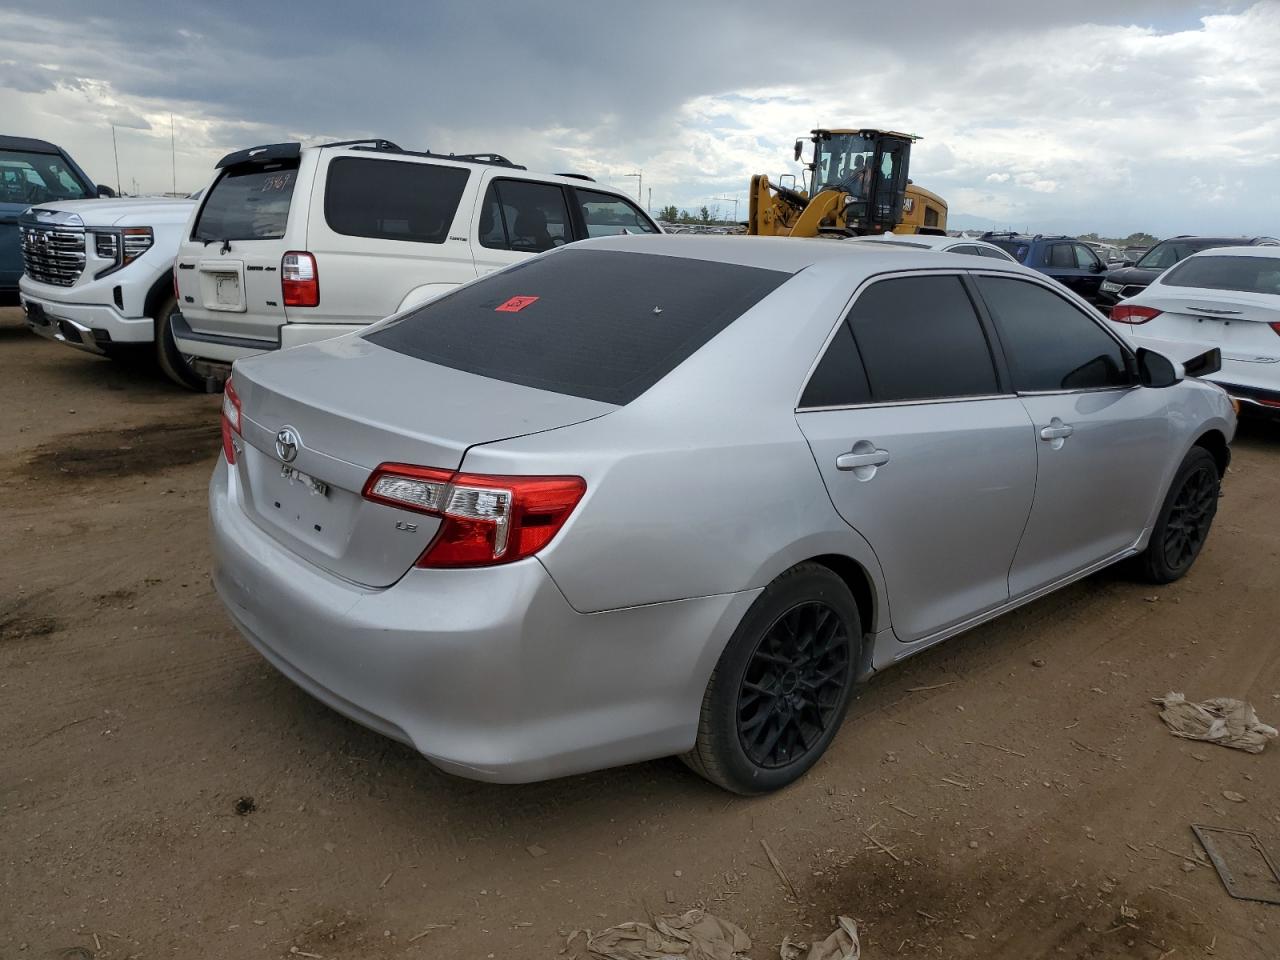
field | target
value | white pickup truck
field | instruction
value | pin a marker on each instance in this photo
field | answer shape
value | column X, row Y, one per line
column 98, row 275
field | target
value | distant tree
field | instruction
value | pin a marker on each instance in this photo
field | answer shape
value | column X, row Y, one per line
column 1089, row 236
column 704, row 215
column 1139, row 239
column 684, row 217
column 669, row 214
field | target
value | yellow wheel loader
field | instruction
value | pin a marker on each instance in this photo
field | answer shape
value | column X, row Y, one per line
column 858, row 185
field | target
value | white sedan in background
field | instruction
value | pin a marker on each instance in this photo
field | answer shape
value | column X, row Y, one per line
column 943, row 244
column 1228, row 298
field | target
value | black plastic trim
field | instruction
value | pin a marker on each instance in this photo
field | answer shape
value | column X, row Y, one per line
column 268, row 153
column 182, row 329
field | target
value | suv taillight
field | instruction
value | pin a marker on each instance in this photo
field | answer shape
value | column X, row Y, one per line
column 484, row 520
column 299, row 279
column 1122, row 313
column 1276, row 327
column 230, row 420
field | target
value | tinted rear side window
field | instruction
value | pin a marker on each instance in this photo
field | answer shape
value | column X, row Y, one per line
column 248, row 203
column 921, row 339
column 605, row 325
column 1050, row 344
column 839, row 379
column 1245, row 274
column 392, row 199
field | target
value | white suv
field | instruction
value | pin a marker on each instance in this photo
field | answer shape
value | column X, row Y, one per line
column 295, row 244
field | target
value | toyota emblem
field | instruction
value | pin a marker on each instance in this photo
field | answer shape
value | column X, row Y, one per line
column 287, row 443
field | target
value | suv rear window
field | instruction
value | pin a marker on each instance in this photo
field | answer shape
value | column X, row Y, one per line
column 1245, row 274
column 1015, row 248
column 248, row 203
column 392, row 199
column 601, row 324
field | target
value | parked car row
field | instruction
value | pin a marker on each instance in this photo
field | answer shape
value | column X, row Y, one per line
column 538, row 490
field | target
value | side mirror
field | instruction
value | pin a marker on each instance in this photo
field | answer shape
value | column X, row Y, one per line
column 105, row 192
column 1155, row 370
column 1099, row 267
column 799, row 149
column 1202, row 366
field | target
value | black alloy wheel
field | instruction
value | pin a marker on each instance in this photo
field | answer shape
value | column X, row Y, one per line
column 794, row 686
column 1189, row 520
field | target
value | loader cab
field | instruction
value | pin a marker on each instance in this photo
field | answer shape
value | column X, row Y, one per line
column 870, row 167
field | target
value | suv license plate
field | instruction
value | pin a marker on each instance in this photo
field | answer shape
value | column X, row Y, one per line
column 317, row 487
column 226, row 289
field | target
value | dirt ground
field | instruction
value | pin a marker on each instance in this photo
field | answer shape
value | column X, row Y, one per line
column 1005, row 795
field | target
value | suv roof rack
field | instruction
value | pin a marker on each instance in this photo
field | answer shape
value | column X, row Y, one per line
column 375, row 143
column 387, row 146
column 577, row 176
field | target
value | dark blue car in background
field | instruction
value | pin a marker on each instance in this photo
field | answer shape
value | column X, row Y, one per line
column 31, row 172
column 1066, row 259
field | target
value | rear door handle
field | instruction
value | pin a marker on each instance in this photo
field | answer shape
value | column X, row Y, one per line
column 851, row 461
column 1056, row 430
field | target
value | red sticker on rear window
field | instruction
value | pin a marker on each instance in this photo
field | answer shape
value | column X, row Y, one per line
column 515, row 304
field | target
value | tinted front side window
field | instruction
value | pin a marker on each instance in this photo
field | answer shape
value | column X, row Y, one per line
column 1050, row 344
column 920, row 338
column 1086, row 259
column 607, row 215
column 600, row 324
column 248, row 203
column 392, row 199
column 523, row 216
column 1246, row 274
column 30, row 178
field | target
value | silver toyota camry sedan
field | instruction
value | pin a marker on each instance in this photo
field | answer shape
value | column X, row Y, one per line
column 646, row 496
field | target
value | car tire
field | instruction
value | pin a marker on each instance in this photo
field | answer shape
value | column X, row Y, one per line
column 1185, row 517
column 774, row 702
column 171, row 360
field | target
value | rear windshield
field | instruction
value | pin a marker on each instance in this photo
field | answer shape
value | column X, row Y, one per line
column 600, row 324
column 248, row 203
column 30, row 178
column 1014, row 248
column 1168, row 252
column 392, row 199
column 1245, row 274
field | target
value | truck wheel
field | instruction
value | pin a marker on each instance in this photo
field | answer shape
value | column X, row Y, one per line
column 176, row 366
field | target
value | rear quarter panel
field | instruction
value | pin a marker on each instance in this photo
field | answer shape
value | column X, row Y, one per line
column 704, row 485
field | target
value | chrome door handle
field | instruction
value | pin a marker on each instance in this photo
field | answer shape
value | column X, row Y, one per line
column 851, row 461
column 1056, row 430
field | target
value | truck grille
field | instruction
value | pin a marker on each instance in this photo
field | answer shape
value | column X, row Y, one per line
column 53, row 254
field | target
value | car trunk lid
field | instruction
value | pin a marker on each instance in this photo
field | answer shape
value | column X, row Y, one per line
column 1237, row 322
column 350, row 406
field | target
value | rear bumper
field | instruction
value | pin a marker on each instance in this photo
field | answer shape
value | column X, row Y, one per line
column 228, row 349
column 86, row 326
column 487, row 672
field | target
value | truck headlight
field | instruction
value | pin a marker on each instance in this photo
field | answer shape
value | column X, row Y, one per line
column 121, row 247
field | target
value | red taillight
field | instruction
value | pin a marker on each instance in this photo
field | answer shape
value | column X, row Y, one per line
column 1126, row 313
column 299, row 279
column 484, row 519
column 1276, row 327
column 230, row 420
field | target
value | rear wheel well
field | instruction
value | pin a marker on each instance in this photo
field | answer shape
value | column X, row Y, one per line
column 1216, row 444
column 859, row 584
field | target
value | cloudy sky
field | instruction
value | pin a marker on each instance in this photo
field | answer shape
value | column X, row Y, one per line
column 1106, row 115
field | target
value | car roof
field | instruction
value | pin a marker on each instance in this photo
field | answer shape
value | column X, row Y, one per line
column 28, row 144
column 1225, row 241
column 791, row 255
column 1239, row 251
